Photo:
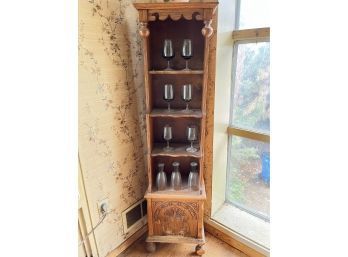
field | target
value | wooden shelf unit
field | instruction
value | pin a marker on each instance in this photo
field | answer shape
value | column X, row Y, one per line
column 175, row 216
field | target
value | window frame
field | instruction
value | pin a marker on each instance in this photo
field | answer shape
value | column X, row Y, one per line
column 243, row 37
column 222, row 130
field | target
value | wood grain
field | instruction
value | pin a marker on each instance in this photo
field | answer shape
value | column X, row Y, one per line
column 179, row 150
column 177, row 195
column 176, row 113
column 209, row 123
column 248, row 134
column 251, row 34
column 175, row 216
column 213, row 246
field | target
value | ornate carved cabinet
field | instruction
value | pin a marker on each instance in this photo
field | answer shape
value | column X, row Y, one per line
column 175, row 216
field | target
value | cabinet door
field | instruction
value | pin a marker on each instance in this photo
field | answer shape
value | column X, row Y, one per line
column 175, row 218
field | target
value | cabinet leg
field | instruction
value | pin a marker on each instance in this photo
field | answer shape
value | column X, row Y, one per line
column 150, row 247
column 200, row 250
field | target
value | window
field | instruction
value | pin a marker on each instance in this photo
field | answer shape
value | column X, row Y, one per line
column 246, row 205
column 248, row 172
column 252, row 14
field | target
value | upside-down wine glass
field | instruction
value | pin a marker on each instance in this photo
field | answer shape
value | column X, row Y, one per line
column 176, row 177
column 168, row 52
column 191, row 136
column 186, row 94
column 186, row 51
column 168, row 94
column 167, row 135
column 193, row 179
column 161, row 179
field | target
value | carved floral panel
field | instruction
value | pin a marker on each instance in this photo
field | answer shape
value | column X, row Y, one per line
column 175, row 218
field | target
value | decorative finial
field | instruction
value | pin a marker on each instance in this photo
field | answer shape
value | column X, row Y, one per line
column 143, row 30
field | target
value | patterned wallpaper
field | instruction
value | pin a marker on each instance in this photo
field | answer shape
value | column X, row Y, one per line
column 111, row 113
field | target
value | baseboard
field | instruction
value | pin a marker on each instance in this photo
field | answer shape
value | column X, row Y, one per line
column 218, row 233
column 124, row 246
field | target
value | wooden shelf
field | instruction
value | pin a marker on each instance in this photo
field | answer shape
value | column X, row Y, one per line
column 176, row 113
column 178, row 151
column 185, row 193
column 175, row 72
column 159, row 21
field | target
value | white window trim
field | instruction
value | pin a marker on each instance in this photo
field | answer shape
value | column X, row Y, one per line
column 224, row 92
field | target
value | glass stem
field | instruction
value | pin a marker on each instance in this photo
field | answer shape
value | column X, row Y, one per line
column 187, row 108
column 186, row 65
column 168, row 106
column 168, row 65
column 191, row 144
column 168, row 144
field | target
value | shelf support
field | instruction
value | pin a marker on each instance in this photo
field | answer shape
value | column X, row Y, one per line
column 144, row 33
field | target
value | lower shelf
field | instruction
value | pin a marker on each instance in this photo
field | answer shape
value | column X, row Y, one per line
column 176, row 239
column 174, row 194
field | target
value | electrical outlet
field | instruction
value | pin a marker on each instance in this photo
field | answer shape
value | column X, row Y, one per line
column 103, row 205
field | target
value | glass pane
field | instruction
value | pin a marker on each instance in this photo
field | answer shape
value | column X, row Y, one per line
column 251, row 103
column 253, row 14
column 249, row 176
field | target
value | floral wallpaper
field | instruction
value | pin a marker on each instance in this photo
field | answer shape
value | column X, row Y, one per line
column 111, row 113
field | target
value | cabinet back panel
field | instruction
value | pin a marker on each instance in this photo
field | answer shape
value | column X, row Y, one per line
column 177, row 31
column 179, row 127
column 158, row 82
column 168, row 168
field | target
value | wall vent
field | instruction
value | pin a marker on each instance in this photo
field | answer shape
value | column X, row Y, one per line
column 135, row 217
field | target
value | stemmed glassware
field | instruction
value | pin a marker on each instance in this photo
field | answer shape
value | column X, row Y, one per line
column 191, row 136
column 168, row 94
column 176, row 177
column 168, row 52
column 186, row 94
column 161, row 179
column 167, row 135
column 186, row 51
column 193, row 179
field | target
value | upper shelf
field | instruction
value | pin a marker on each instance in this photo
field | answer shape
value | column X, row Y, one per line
column 175, row 113
column 175, row 72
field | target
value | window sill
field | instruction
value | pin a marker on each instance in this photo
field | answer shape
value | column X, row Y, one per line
column 253, row 228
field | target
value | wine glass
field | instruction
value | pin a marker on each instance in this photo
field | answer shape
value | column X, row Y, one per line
column 167, row 135
column 186, row 94
column 186, row 51
column 191, row 136
column 168, row 94
column 175, row 180
column 193, row 179
column 161, row 179
column 168, row 52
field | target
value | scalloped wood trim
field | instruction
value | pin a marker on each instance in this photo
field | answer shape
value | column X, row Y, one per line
column 162, row 15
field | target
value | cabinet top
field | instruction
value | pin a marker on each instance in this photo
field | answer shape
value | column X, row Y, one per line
column 160, row 4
